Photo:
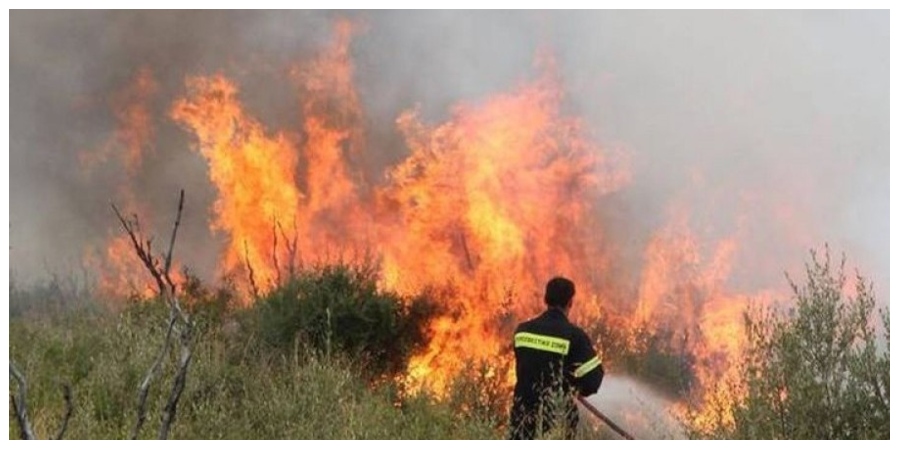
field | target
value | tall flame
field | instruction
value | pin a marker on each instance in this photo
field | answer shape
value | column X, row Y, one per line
column 120, row 272
column 252, row 170
column 489, row 203
column 331, row 212
column 493, row 202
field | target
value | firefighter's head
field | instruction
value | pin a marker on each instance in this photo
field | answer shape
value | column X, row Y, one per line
column 559, row 293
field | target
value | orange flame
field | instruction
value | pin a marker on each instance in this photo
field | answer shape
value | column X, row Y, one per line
column 252, row 170
column 492, row 202
column 489, row 204
column 331, row 212
column 135, row 131
column 120, row 272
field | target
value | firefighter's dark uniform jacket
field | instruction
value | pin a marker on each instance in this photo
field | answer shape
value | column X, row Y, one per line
column 553, row 357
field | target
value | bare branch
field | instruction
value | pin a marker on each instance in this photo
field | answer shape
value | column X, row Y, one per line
column 253, row 287
column 174, row 232
column 275, row 227
column 142, row 249
column 465, row 246
column 151, row 374
column 178, row 385
column 20, row 406
column 291, row 245
column 19, row 419
column 178, row 321
column 67, row 396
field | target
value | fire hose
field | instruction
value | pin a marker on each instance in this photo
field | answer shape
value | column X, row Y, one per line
column 603, row 417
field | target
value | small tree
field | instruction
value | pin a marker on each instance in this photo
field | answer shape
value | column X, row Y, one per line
column 817, row 372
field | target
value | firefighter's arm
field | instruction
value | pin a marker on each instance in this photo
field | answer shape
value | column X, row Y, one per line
column 588, row 367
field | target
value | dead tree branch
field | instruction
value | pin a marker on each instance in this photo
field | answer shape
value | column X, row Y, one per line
column 254, row 289
column 465, row 246
column 291, row 245
column 275, row 252
column 144, row 388
column 168, row 265
column 67, row 396
column 179, row 322
column 142, row 248
column 177, row 387
column 20, row 407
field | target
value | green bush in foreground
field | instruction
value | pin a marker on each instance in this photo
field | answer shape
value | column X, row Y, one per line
column 235, row 389
column 339, row 309
column 314, row 359
column 816, row 372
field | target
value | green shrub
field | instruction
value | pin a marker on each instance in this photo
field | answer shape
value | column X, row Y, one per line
column 815, row 372
column 480, row 392
column 339, row 309
column 234, row 390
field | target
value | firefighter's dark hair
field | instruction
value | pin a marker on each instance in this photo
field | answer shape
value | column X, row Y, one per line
column 559, row 292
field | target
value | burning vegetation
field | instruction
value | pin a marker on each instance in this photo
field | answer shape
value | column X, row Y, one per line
column 488, row 204
column 482, row 208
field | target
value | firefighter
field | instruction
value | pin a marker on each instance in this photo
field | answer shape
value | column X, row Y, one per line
column 554, row 361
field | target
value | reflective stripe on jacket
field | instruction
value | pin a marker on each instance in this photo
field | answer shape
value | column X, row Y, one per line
column 552, row 356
